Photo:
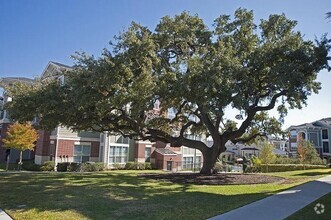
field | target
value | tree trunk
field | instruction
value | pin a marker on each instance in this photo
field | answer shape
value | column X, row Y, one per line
column 8, row 160
column 20, row 163
column 210, row 156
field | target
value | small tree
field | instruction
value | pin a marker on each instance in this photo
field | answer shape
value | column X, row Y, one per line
column 267, row 155
column 307, row 153
column 302, row 150
column 20, row 137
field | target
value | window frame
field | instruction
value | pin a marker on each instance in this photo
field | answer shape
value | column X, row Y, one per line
column 81, row 155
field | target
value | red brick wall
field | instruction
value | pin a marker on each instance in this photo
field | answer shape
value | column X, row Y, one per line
column 66, row 148
column 43, row 144
column 161, row 160
column 139, row 150
column 95, row 148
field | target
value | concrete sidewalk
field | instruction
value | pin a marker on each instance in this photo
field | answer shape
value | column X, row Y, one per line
column 283, row 204
column 4, row 216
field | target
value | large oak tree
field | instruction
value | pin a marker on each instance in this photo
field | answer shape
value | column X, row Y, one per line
column 195, row 71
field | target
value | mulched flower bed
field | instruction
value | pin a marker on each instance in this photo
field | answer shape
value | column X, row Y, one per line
column 215, row 179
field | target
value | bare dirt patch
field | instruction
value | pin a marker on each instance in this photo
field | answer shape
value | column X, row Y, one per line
column 216, row 179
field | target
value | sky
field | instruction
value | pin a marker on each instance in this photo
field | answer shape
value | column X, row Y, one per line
column 34, row 32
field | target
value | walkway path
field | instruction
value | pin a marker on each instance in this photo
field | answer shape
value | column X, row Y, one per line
column 4, row 216
column 283, row 204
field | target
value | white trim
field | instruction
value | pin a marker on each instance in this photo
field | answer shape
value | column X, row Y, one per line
column 56, row 149
column 75, row 138
column 117, row 144
column 145, row 142
column 82, row 143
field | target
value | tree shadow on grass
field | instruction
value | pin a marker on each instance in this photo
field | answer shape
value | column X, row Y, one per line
column 313, row 173
column 111, row 196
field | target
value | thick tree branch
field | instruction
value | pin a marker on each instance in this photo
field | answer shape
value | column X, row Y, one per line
column 251, row 111
column 247, row 139
column 204, row 117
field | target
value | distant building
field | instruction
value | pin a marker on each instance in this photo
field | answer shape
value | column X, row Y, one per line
column 241, row 150
column 64, row 145
column 5, row 121
column 317, row 132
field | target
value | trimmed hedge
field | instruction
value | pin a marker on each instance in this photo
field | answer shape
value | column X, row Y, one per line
column 47, row 166
column 80, row 167
column 92, row 167
column 30, row 166
column 74, row 167
column 137, row 166
column 282, row 167
column 62, row 167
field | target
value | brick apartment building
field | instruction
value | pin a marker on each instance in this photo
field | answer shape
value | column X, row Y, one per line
column 64, row 145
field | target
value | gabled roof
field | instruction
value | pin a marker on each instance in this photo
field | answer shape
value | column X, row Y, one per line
column 8, row 81
column 54, row 69
column 165, row 151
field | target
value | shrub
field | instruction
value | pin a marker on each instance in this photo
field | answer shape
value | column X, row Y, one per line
column 118, row 166
column 138, row 166
column 62, row 167
column 91, row 167
column 253, row 169
column 318, row 161
column 129, row 166
column 47, row 166
column 286, row 160
column 99, row 166
column 282, row 167
column 74, row 167
column 30, row 166
column 148, row 166
column 219, row 167
column 256, row 161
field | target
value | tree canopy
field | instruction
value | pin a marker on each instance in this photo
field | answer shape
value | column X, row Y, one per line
column 20, row 137
column 194, row 72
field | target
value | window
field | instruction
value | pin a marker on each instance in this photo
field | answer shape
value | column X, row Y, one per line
column 118, row 154
column 188, row 151
column 82, row 153
column 147, row 154
column 303, row 135
column 198, row 162
column 325, row 134
column 313, row 137
column 326, row 147
column 293, row 133
column 119, row 139
column 187, row 162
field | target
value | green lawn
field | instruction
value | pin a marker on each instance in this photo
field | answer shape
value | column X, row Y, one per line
column 123, row 195
column 309, row 213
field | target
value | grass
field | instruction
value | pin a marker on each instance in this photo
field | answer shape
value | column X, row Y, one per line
column 309, row 213
column 123, row 195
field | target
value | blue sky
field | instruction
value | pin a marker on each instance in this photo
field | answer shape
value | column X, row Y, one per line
column 36, row 31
